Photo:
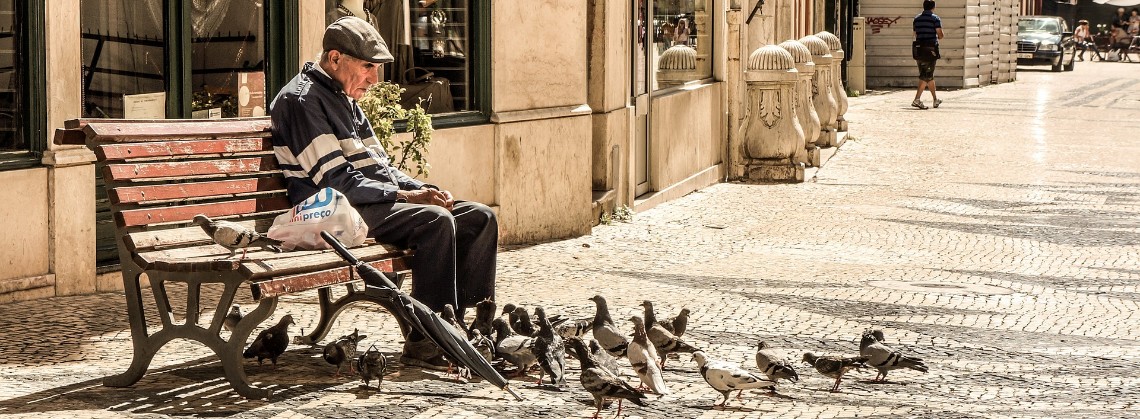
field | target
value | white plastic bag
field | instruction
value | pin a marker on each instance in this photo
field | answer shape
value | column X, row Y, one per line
column 327, row 210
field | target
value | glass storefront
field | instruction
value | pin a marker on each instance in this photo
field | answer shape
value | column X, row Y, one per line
column 685, row 27
column 11, row 138
column 228, row 59
column 430, row 40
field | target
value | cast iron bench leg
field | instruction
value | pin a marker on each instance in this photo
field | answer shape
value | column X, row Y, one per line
column 143, row 345
column 331, row 309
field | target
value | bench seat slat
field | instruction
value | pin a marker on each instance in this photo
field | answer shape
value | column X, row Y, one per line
column 128, row 131
column 177, row 191
column 315, row 261
column 147, row 240
column 258, row 263
column 289, row 284
column 123, row 151
column 182, row 213
column 137, row 171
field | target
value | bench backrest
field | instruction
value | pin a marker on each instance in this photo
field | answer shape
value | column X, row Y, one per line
column 160, row 174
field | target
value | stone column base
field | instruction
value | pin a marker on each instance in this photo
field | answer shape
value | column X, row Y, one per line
column 811, row 157
column 782, row 171
column 842, row 123
column 826, row 139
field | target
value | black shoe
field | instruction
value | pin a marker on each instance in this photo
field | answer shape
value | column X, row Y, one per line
column 424, row 354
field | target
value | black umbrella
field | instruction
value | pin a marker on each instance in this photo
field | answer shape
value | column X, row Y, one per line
column 413, row 313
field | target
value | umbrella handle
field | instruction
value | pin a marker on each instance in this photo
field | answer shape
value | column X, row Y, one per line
column 339, row 248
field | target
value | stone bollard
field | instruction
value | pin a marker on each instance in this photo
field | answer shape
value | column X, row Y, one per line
column 771, row 136
column 677, row 65
column 821, row 90
column 805, row 109
column 837, row 54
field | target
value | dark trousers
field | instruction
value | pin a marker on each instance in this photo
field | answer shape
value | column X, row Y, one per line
column 455, row 254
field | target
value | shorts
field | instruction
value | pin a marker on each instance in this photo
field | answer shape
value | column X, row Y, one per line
column 926, row 70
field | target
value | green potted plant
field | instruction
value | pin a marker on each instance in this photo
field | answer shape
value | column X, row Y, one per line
column 382, row 107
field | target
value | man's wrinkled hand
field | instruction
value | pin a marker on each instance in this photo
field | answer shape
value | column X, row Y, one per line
column 428, row 196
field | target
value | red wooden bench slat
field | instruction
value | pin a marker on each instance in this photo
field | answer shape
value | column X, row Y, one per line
column 136, row 171
column 123, row 151
column 151, row 193
column 285, row 285
column 108, row 131
column 182, row 213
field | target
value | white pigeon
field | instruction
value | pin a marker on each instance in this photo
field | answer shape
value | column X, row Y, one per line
column 232, row 319
column 725, row 377
column 643, row 358
column 234, row 236
column 775, row 364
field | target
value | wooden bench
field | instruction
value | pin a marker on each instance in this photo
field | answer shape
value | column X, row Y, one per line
column 158, row 175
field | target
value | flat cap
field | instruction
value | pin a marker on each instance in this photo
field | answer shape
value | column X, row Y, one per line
column 356, row 37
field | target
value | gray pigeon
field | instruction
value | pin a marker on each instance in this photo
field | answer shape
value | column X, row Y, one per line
column 549, row 350
column 515, row 349
column 600, row 382
column 665, row 342
column 574, row 329
column 483, row 345
column 601, row 357
column 524, row 326
column 232, row 319
column 834, row 366
column 343, row 350
column 484, row 315
column 775, row 364
column 271, row 342
column 448, row 315
column 678, row 324
column 371, row 365
column 604, row 330
column 234, row 236
column 885, row 358
column 725, row 377
column 643, row 358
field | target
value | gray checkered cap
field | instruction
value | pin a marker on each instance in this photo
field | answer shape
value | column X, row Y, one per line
column 356, row 37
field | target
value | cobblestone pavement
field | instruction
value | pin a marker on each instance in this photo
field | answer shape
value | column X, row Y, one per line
column 998, row 237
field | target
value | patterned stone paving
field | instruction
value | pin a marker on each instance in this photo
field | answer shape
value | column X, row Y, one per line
column 998, row 237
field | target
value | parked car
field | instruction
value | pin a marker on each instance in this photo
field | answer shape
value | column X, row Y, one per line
column 1045, row 40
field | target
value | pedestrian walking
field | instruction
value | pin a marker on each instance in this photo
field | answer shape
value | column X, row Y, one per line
column 927, row 32
column 1084, row 40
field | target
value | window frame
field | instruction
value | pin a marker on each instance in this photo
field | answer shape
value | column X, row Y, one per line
column 30, row 18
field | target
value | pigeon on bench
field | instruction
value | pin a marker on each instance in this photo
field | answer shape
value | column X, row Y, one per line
column 271, row 342
column 234, row 236
column 885, row 358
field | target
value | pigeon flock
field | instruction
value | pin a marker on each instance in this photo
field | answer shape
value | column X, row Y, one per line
column 515, row 342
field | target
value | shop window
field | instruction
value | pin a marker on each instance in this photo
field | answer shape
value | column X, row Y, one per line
column 123, row 67
column 11, row 139
column 682, row 41
column 431, row 41
column 228, row 59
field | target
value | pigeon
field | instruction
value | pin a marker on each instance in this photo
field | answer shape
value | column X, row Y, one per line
column 512, row 318
column 448, row 315
column 523, row 326
column 371, row 365
column 725, row 377
column 775, row 364
column 516, row 349
column 231, row 320
column 271, row 342
column 549, row 350
column 643, row 358
column 834, row 366
column 601, row 357
column 604, row 330
column 234, row 236
column 574, row 329
column 600, row 382
column 484, row 314
column 665, row 342
column 483, row 344
column 343, row 350
column 885, row 358
column 678, row 323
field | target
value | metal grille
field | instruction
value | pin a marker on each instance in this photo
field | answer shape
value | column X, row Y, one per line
column 1026, row 47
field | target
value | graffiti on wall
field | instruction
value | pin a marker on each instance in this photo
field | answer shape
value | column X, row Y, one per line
column 878, row 23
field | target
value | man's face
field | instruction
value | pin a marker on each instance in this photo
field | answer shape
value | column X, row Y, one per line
column 1120, row 11
column 354, row 74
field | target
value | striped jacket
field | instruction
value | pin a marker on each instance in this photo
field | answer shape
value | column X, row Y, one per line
column 322, row 139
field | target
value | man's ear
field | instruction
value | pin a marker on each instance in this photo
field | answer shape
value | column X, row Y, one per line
column 334, row 57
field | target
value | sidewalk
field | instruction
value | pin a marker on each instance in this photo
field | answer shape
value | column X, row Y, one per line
column 1010, row 264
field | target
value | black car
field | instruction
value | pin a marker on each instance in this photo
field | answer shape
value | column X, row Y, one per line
column 1045, row 40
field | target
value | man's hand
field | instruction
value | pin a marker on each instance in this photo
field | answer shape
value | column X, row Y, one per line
column 428, row 196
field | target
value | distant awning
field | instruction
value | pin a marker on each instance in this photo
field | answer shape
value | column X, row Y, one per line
column 1118, row 2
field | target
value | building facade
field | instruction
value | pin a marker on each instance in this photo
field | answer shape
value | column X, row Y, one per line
column 553, row 112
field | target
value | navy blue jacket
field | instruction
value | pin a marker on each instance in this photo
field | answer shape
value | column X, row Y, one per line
column 322, row 139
